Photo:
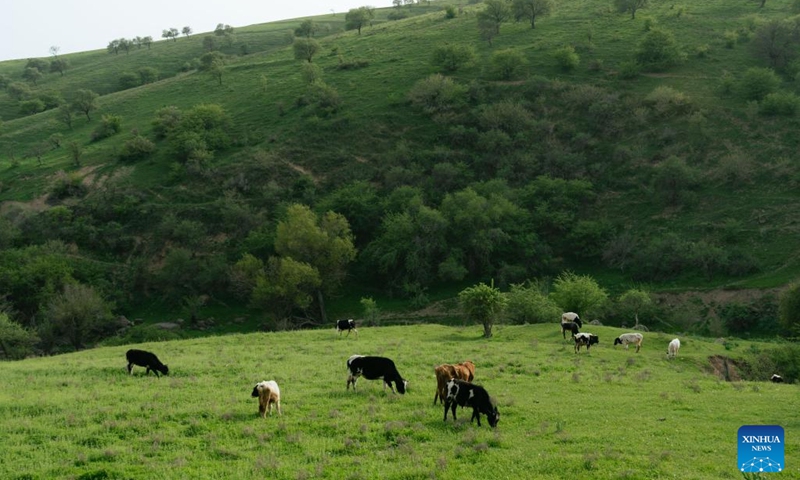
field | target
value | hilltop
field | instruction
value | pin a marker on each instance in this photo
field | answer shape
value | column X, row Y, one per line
column 655, row 152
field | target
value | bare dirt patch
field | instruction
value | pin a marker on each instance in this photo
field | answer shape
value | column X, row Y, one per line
column 725, row 368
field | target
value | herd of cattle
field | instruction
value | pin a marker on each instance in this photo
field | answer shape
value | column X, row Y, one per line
column 454, row 385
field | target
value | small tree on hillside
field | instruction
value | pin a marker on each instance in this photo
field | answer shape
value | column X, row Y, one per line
column 59, row 65
column 578, row 293
column 84, row 101
column 507, row 64
column 16, row 342
column 624, row 6
column 778, row 42
column 305, row 48
column 186, row 31
column 659, row 50
column 306, row 29
column 483, row 303
column 76, row 314
column 494, row 14
column 789, row 309
column 452, row 57
column 147, row 41
column 32, row 75
column 357, row 18
column 634, row 302
column 530, row 9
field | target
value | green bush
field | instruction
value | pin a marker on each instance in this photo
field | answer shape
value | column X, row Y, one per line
column 730, row 39
column 757, row 83
column 450, row 12
column 567, row 58
column 789, row 309
column 109, row 125
column 30, row 107
column 507, row 64
column 629, row 70
column 578, row 293
column 136, row 148
column 67, row 185
column 451, row 57
column 666, row 101
column 437, row 93
column 326, row 97
column 659, row 50
column 529, row 304
column 129, row 80
column 311, row 72
column 780, row 103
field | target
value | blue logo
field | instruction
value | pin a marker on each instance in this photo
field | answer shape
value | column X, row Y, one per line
column 761, row 448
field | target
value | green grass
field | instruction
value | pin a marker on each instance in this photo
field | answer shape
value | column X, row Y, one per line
column 607, row 414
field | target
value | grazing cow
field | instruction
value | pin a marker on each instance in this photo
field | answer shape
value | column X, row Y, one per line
column 466, row 394
column 571, row 317
column 446, row 372
column 585, row 339
column 268, row 394
column 775, row 378
column 571, row 326
column 672, row 349
column 628, row 338
column 143, row 358
column 373, row 368
column 349, row 325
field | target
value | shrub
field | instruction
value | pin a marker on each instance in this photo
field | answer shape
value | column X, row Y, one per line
column 166, row 121
column 507, row 116
column 109, row 125
column 507, row 64
column 667, row 101
column 129, row 80
column 67, row 185
column 702, row 51
column 351, row 64
column 673, row 177
column 311, row 72
column 452, row 57
column 30, row 107
column 780, row 103
column 757, row 83
column 659, row 50
column 449, row 12
column 326, row 97
column 629, row 70
column 437, row 93
column 789, row 309
column 567, row 58
column 730, row 39
column 529, row 304
column 136, row 148
column 397, row 15
column 578, row 293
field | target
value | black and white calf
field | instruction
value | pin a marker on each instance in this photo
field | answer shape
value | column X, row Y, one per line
column 348, row 325
column 569, row 326
column 585, row 340
column 143, row 358
column 467, row 394
column 374, row 368
column 775, row 378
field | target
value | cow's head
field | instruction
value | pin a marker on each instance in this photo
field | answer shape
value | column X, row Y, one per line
column 163, row 369
column 494, row 415
column 594, row 339
column 617, row 341
column 255, row 391
column 402, row 385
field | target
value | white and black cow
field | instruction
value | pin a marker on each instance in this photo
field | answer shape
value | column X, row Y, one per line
column 374, row 368
column 467, row 394
column 147, row 359
column 585, row 339
column 349, row 325
column 775, row 378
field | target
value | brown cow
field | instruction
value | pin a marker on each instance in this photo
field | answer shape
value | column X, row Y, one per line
column 446, row 372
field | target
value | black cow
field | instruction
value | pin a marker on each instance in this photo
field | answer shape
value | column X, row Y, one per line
column 373, row 368
column 585, row 339
column 348, row 325
column 467, row 394
column 775, row 378
column 571, row 326
column 143, row 358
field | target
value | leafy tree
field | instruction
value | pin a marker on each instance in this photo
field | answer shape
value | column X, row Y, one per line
column 659, row 50
column 129, row 80
column 285, row 285
column 578, row 293
column 494, row 14
column 530, row 9
column 186, row 31
column 16, row 341
column 672, row 178
column 357, row 18
column 113, row 46
column 778, row 42
column 216, row 69
column 437, row 93
column 527, row 303
column 32, row 106
column 325, row 243
column 109, row 125
column 209, row 43
column 483, row 303
column 451, row 57
column 632, row 6
column 18, row 91
column 223, row 30
column 5, row 81
column 634, row 302
column 59, row 65
column 311, row 72
column 75, row 150
column 148, row 75
column 567, row 58
column 64, row 114
column 305, row 48
column 77, row 314
column 507, row 63
column 326, row 97
column 757, row 83
column 38, row 64
column 789, row 309
column 170, row 33
column 371, row 310
column 306, row 29
column 84, row 101
column 125, row 44
column 32, row 75
column 148, row 40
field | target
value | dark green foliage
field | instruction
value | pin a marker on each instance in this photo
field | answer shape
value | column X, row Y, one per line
column 757, row 317
column 483, row 304
column 358, row 18
column 84, row 101
column 67, row 185
column 450, row 12
column 148, row 75
column 673, row 179
column 16, row 342
column 167, row 121
column 30, row 107
column 109, row 125
column 567, row 58
column 326, row 97
column 136, row 148
column 778, row 42
column 78, row 314
column 632, row 6
column 494, row 14
column 437, row 93
column 305, row 48
column 780, row 103
column 129, row 80
column 306, row 29
column 789, row 309
column 452, row 57
column 18, row 91
column 659, row 51
column 208, row 60
column 507, row 64
column 528, row 303
column 531, row 9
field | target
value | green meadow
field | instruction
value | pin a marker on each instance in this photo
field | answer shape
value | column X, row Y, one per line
column 605, row 414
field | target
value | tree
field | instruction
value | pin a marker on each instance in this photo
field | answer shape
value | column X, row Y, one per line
column 16, row 341
column 186, row 31
column 223, row 30
column 452, row 57
column 59, row 65
column 507, row 64
column 634, row 302
column 54, row 50
column 85, row 101
column 493, row 15
column 483, row 303
column 75, row 150
column 789, row 309
column 527, row 303
column 76, row 314
column 323, row 242
column 357, row 18
column 672, row 178
column 578, row 293
column 113, row 46
column 305, row 48
column 64, row 114
column 659, row 50
column 32, row 75
column 778, row 42
column 148, row 75
column 171, row 33
column 306, row 29
column 148, row 40
column 209, row 43
column 125, row 44
column 285, row 285
column 630, row 6
column 216, row 69
column 530, row 9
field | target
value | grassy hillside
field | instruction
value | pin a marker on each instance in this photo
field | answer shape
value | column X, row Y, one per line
column 610, row 413
column 670, row 178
